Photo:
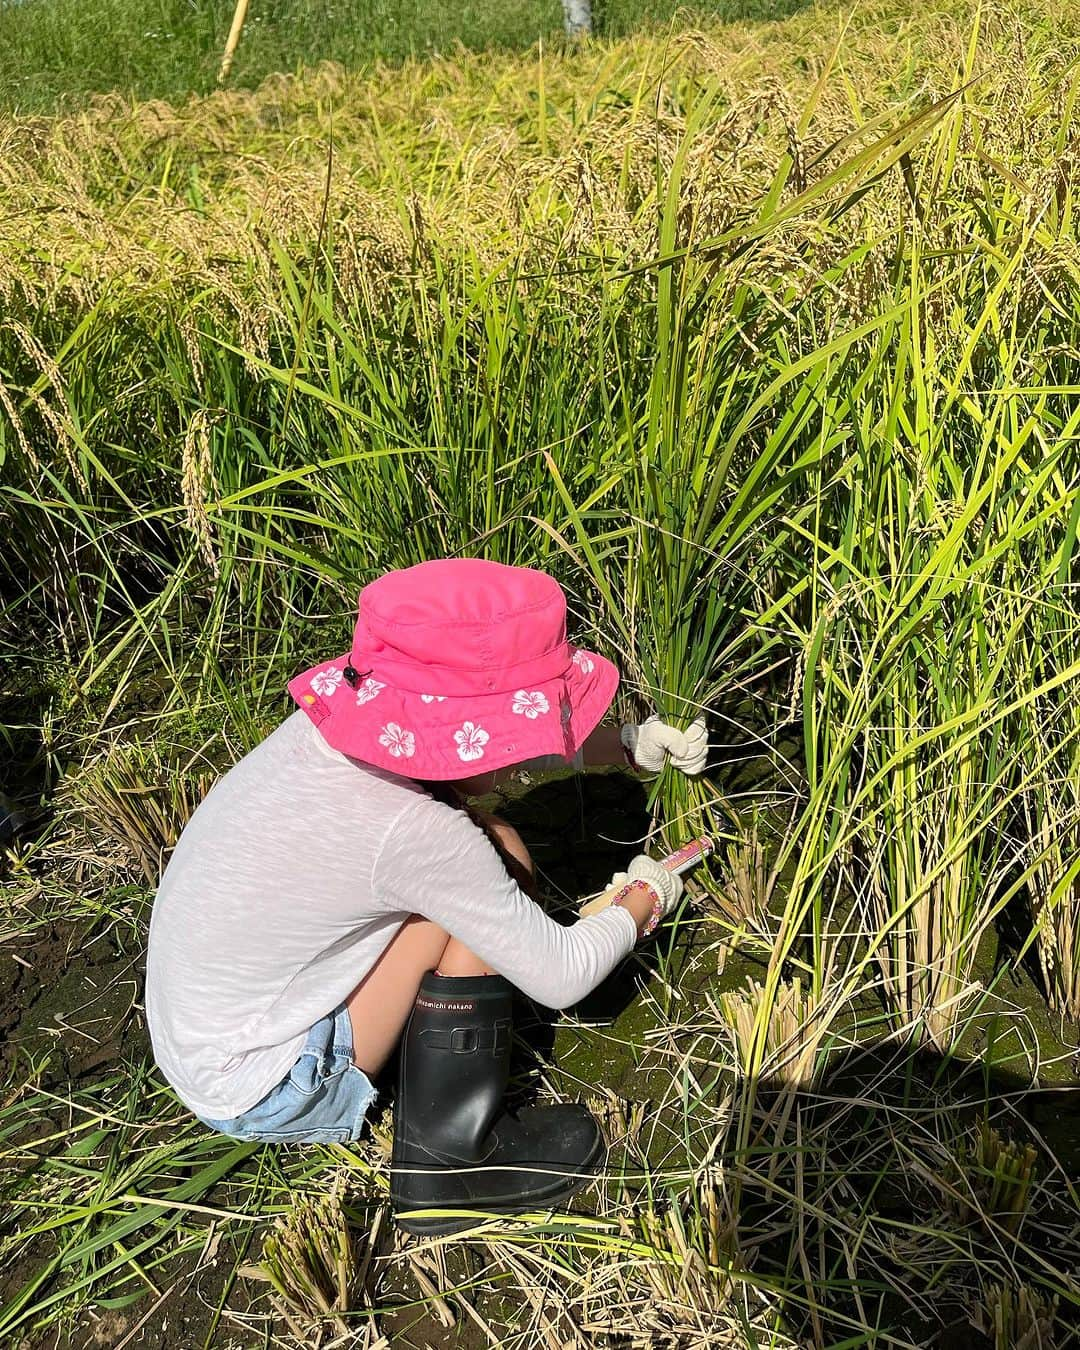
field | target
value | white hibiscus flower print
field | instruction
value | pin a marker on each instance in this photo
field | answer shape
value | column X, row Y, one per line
column 584, row 663
column 400, row 743
column 368, row 690
column 530, row 705
column 326, row 681
column 432, row 698
column 471, row 740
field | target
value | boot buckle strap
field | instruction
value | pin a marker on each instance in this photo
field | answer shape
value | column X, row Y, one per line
column 469, row 1040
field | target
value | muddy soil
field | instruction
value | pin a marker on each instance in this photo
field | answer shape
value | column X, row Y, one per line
column 70, row 993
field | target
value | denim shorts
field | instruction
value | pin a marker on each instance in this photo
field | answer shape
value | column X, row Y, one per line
column 322, row 1100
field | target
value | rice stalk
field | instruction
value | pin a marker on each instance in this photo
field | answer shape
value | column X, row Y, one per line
column 990, row 1178
column 794, row 1027
column 1017, row 1318
column 141, row 796
column 197, row 484
column 311, row 1260
column 1051, row 798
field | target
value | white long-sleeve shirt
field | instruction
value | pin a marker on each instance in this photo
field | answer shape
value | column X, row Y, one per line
column 289, row 882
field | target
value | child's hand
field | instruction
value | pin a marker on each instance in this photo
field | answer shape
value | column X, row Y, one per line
column 653, row 743
column 666, row 886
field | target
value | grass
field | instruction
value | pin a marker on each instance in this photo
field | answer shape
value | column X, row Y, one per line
column 763, row 340
column 56, row 53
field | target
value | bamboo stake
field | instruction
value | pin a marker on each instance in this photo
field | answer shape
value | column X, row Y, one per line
column 239, row 15
column 598, row 902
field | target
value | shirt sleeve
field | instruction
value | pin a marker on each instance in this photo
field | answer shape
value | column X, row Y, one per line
column 437, row 863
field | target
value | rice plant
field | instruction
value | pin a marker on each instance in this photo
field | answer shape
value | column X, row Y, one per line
column 762, row 340
column 1051, row 799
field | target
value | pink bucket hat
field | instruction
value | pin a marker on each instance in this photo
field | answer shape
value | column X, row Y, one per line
column 457, row 667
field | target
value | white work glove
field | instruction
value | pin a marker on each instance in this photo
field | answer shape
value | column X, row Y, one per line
column 667, row 885
column 654, row 742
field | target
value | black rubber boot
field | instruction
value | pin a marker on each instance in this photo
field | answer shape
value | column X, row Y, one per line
column 455, row 1146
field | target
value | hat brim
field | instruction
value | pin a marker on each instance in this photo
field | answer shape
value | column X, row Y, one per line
column 436, row 738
